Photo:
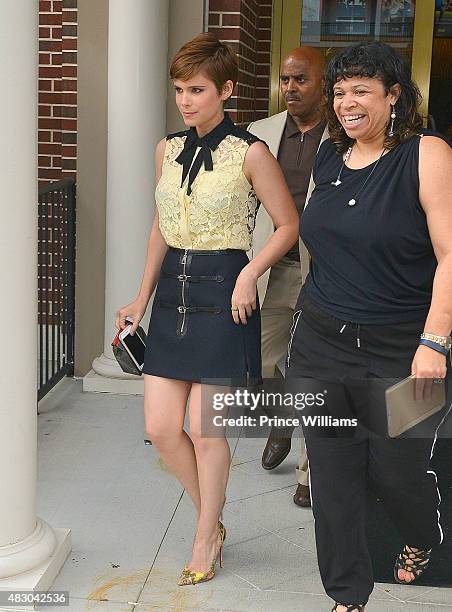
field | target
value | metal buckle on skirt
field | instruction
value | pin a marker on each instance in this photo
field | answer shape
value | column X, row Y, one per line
column 184, row 309
column 193, row 279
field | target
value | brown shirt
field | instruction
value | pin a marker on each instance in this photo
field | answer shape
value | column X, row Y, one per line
column 296, row 154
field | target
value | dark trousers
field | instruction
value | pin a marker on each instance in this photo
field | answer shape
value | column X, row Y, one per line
column 354, row 364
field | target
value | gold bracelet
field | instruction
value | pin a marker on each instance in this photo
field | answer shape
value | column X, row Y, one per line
column 444, row 341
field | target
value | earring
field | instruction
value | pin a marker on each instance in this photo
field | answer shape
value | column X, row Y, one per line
column 393, row 116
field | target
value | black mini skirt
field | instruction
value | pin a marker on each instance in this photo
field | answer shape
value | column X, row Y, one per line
column 192, row 335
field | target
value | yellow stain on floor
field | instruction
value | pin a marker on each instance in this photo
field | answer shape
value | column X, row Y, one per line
column 167, row 595
column 102, row 593
column 184, row 600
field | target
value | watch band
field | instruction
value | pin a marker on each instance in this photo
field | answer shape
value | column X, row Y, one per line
column 434, row 345
column 444, row 341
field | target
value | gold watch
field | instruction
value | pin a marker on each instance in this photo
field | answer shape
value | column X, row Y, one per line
column 444, row 341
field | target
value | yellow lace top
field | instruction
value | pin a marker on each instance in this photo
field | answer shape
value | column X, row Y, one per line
column 220, row 211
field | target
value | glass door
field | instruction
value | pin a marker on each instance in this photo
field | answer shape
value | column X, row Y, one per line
column 440, row 100
column 331, row 26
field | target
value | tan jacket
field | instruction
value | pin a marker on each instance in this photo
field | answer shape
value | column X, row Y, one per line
column 271, row 130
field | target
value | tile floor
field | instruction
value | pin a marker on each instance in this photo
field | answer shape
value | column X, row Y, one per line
column 132, row 524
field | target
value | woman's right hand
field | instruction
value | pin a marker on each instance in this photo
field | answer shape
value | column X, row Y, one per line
column 133, row 311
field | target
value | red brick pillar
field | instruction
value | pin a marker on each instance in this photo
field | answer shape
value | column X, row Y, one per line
column 57, row 113
column 246, row 26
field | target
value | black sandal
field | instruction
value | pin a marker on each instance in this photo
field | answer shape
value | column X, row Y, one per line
column 419, row 561
column 350, row 607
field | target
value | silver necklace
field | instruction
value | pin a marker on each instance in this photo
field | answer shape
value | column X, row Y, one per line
column 338, row 181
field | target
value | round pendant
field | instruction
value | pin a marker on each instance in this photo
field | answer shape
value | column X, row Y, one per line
column 352, row 202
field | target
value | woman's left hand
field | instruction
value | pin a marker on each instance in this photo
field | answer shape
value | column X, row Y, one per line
column 427, row 366
column 243, row 300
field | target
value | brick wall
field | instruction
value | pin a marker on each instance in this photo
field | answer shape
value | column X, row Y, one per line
column 57, row 113
column 57, row 150
column 246, row 26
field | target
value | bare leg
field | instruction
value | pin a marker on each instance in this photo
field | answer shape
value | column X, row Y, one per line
column 165, row 401
column 213, row 459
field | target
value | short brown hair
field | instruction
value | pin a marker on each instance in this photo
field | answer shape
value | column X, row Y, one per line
column 207, row 53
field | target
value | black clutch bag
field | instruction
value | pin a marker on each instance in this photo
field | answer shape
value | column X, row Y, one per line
column 126, row 363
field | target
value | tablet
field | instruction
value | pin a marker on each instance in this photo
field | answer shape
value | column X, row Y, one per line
column 404, row 411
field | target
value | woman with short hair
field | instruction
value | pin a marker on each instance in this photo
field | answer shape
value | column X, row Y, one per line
column 205, row 322
column 378, row 227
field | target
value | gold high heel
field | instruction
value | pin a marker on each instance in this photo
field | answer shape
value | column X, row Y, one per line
column 193, row 577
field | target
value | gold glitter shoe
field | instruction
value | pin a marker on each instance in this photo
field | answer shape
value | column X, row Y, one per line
column 193, row 577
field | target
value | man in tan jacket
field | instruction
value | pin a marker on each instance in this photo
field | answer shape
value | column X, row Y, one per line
column 293, row 137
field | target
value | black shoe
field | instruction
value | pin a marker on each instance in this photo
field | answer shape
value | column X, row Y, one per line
column 302, row 497
column 412, row 560
column 275, row 451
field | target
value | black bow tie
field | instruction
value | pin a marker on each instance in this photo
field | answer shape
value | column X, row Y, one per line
column 207, row 144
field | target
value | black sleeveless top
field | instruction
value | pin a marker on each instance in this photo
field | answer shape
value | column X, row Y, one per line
column 372, row 263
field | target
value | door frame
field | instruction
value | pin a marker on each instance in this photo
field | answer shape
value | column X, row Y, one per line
column 286, row 35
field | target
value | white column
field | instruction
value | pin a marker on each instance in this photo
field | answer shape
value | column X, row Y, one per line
column 27, row 543
column 137, row 85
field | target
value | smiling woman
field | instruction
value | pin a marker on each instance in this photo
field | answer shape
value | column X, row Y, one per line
column 364, row 85
column 377, row 227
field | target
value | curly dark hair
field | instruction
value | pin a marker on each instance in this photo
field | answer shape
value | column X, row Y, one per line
column 379, row 60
